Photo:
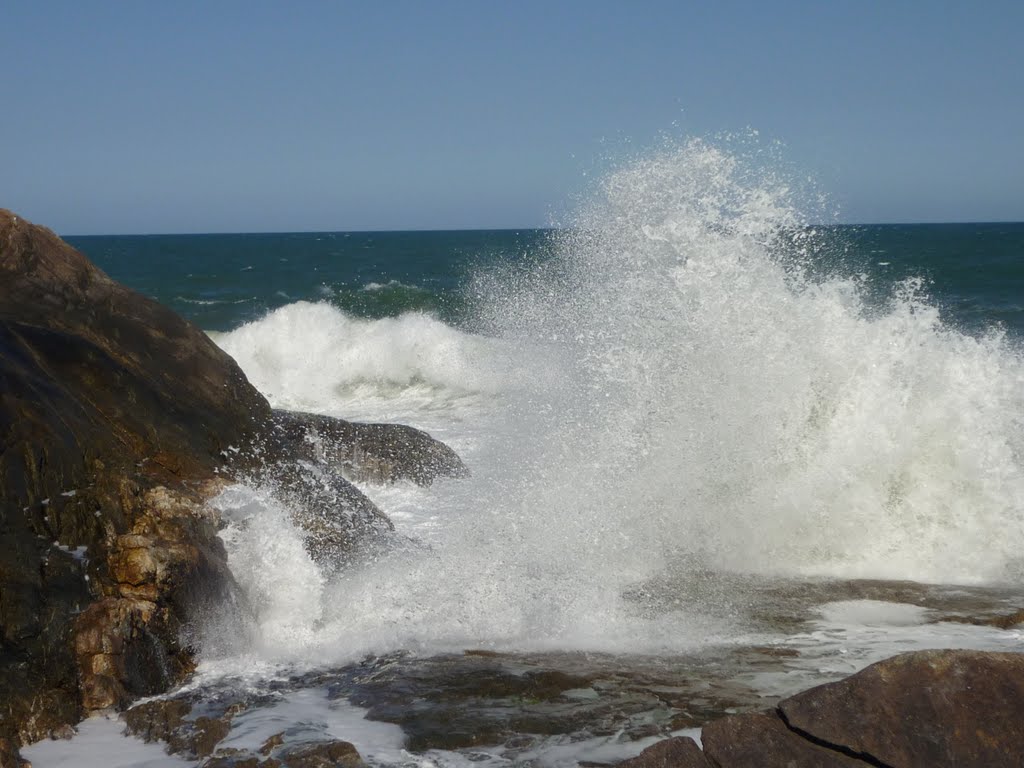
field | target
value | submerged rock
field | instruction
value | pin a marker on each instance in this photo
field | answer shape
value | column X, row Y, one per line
column 325, row 754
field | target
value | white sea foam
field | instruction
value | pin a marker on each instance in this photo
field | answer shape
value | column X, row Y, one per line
column 851, row 634
column 315, row 357
column 284, row 587
column 677, row 390
column 100, row 743
column 390, row 284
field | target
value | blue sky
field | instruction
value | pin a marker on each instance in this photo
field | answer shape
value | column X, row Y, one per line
column 141, row 117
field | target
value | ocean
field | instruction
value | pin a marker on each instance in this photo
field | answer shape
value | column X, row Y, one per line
column 974, row 273
column 714, row 442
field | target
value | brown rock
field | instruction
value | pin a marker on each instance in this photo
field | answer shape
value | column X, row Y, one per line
column 1006, row 621
column 928, row 709
column 105, row 398
column 680, row 752
column 117, row 418
column 224, row 761
column 762, row 740
column 327, row 754
column 271, row 743
column 157, row 720
column 168, row 720
column 208, row 733
column 9, row 756
column 127, row 648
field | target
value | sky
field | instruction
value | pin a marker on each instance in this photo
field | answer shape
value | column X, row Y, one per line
column 146, row 117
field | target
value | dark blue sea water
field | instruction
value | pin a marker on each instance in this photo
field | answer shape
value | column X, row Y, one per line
column 973, row 272
column 220, row 281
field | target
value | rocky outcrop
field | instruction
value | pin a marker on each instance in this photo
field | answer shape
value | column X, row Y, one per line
column 928, row 709
column 118, row 420
column 115, row 415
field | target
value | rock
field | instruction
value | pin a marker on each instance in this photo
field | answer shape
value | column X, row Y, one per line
column 208, row 733
column 457, row 702
column 1003, row 621
column 130, row 380
column 117, row 421
column 335, row 515
column 224, row 761
column 227, row 761
column 312, row 461
column 115, row 417
column 157, row 720
column 327, row 754
column 930, row 708
column 679, row 752
column 762, row 740
column 168, row 720
column 374, row 453
column 9, row 757
column 272, row 743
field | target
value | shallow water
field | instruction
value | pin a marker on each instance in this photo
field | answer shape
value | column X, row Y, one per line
column 567, row 708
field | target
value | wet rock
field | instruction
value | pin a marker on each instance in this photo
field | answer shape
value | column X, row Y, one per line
column 271, row 743
column 335, row 516
column 126, row 648
column 374, row 453
column 1000, row 621
column 110, row 405
column 168, row 720
column 680, row 752
column 118, row 419
column 930, row 708
column 114, row 417
column 326, row 754
column 94, row 370
column 157, row 720
column 762, row 740
column 223, row 761
column 311, row 462
column 239, row 761
column 455, row 702
column 9, row 757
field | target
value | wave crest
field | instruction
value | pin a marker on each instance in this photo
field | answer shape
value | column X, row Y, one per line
column 315, row 357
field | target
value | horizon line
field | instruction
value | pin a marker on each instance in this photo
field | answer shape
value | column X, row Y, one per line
column 987, row 222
